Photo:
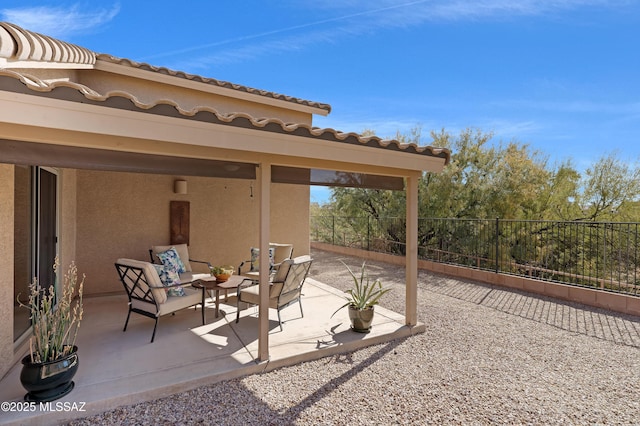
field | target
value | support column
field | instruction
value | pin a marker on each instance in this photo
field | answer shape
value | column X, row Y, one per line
column 411, row 314
column 7, row 261
column 264, row 183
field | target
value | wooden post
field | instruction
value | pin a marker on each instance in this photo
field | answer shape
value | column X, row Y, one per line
column 264, row 177
column 411, row 315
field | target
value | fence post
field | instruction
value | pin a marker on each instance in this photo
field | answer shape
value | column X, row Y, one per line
column 368, row 232
column 497, row 244
column 333, row 230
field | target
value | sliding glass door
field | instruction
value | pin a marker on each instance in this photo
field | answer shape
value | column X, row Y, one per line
column 35, row 235
column 46, row 226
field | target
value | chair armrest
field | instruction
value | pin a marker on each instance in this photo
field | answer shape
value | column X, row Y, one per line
column 241, row 265
column 201, row 261
column 246, row 283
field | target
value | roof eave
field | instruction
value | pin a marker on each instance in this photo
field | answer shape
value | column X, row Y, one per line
column 30, row 114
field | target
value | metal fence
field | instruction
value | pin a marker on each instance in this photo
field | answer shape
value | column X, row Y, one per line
column 600, row 255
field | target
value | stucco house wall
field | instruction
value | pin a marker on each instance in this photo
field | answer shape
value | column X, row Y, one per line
column 6, row 265
column 124, row 214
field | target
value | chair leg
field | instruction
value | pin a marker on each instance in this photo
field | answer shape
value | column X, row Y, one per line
column 153, row 336
column 127, row 321
column 300, row 303
column 238, row 311
column 279, row 320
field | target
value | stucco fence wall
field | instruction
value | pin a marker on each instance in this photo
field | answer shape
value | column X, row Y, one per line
column 625, row 304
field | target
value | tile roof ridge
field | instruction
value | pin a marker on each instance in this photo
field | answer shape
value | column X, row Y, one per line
column 23, row 45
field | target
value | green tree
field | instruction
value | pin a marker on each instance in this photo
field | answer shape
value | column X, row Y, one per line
column 486, row 180
column 561, row 194
column 610, row 190
column 460, row 190
column 482, row 180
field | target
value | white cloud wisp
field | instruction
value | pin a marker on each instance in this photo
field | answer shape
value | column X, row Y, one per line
column 59, row 22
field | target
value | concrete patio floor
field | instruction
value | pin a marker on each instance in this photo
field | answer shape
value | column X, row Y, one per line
column 117, row 368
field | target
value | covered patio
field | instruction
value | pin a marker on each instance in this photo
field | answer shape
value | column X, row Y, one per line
column 122, row 368
column 90, row 147
column 114, row 134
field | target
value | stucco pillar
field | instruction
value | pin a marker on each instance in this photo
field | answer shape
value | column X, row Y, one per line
column 264, row 183
column 7, row 182
column 411, row 314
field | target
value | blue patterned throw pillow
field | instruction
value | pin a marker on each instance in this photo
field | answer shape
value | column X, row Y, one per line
column 255, row 258
column 170, row 277
column 171, row 259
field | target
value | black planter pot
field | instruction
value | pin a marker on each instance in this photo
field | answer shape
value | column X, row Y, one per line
column 48, row 381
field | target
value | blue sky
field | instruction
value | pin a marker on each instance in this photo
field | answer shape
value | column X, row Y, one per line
column 560, row 75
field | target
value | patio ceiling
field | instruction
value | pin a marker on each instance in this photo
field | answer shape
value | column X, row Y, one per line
column 29, row 153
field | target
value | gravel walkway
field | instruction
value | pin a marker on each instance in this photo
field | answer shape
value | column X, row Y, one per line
column 488, row 356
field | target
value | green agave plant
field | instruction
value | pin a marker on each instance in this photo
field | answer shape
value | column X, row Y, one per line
column 55, row 325
column 364, row 293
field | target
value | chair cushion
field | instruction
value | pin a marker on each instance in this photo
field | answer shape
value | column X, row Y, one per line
column 281, row 252
column 171, row 259
column 183, row 253
column 192, row 297
column 170, row 277
column 282, row 271
column 251, row 295
column 151, row 276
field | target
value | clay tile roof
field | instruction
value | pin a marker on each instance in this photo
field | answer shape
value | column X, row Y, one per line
column 19, row 44
column 212, row 81
column 22, row 83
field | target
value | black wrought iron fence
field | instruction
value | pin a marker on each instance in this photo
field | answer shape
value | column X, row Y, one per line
column 603, row 255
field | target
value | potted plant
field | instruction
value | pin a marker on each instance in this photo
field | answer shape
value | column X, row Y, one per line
column 53, row 360
column 222, row 273
column 361, row 300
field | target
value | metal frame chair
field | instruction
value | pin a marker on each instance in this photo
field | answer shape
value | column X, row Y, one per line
column 285, row 287
column 147, row 295
column 278, row 253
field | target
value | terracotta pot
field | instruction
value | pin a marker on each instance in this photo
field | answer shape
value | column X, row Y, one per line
column 48, row 381
column 222, row 277
column 361, row 319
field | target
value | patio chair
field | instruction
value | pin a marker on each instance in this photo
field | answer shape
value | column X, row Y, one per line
column 278, row 253
column 285, row 287
column 183, row 252
column 148, row 296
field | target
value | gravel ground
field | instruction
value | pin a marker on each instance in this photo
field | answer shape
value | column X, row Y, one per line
column 488, row 356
